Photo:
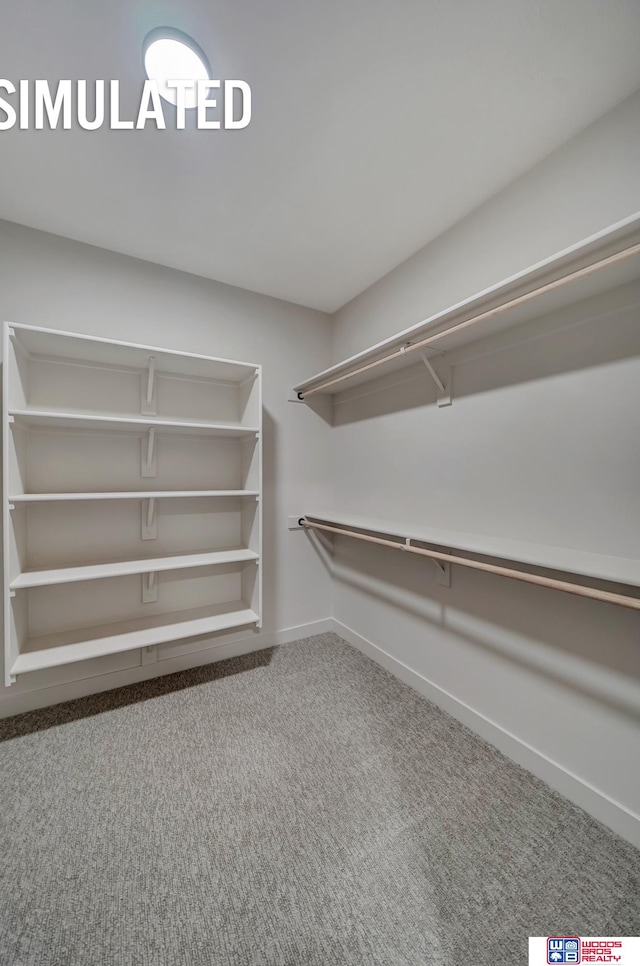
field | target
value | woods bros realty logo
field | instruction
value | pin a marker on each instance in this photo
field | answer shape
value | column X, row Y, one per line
column 564, row 949
column 558, row 950
column 177, row 72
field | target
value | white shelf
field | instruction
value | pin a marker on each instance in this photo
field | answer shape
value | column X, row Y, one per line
column 69, row 346
column 122, row 568
column 43, row 419
column 129, row 495
column 622, row 570
column 80, row 645
column 622, row 235
column 89, row 424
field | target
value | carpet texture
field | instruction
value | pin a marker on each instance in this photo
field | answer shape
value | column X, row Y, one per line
column 297, row 807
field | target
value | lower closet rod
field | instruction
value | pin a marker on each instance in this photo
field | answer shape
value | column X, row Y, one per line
column 622, row 600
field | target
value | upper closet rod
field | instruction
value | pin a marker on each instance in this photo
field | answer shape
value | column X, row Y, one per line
column 489, row 313
column 621, row 600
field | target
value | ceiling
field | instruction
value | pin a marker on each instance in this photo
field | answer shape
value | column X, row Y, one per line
column 376, row 125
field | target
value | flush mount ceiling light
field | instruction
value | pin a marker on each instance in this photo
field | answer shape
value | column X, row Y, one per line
column 171, row 55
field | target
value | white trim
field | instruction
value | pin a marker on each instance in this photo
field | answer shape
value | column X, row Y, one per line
column 12, row 704
column 593, row 800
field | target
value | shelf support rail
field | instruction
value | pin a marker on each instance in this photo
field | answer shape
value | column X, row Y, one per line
column 593, row 593
column 149, row 588
column 149, row 457
column 149, row 405
column 557, row 283
column 151, row 442
column 151, row 371
column 149, row 520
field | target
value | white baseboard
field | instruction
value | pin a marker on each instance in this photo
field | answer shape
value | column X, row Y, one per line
column 12, row 704
column 593, row 800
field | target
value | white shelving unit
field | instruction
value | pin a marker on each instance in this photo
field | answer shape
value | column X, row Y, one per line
column 602, row 262
column 132, row 497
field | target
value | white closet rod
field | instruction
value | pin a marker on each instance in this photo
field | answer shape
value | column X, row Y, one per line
column 489, row 313
column 622, row 600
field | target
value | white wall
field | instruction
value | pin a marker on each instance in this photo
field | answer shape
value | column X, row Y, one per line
column 589, row 183
column 49, row 281
column 541, row 443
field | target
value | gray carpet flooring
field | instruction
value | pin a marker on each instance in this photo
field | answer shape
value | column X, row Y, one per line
column 298, row 807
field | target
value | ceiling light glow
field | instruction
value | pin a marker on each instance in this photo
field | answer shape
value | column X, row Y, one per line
column 170, row 55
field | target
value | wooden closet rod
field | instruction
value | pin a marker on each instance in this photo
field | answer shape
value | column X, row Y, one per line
column 622, row 600
column 489, row 313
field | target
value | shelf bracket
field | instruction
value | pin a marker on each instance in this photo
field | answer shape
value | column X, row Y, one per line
column 149, row 403
column 149, row 454
column 443, row 397
column 443, row 570
column 149, row 588
column 149, row 519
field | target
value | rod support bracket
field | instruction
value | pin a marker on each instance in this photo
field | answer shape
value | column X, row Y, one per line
column 443, row 570
column 443, row 388
column 443, row 573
